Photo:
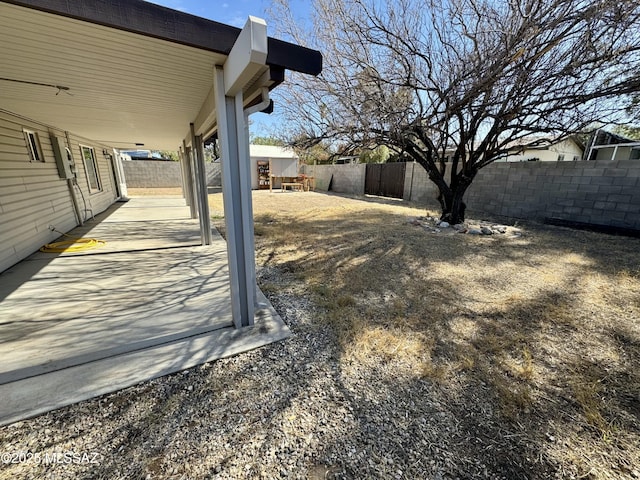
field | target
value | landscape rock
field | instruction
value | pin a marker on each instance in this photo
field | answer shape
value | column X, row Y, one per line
column 486, row 231
column 475, row 231
column 443, row 224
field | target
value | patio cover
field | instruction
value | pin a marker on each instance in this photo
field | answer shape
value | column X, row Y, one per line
column 129, row 73
column 136, row 73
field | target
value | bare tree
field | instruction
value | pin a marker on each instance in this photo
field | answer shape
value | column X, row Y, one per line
column 454, row 83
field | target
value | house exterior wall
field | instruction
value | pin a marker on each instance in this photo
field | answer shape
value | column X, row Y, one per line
column 568, row 148
column 32, row 194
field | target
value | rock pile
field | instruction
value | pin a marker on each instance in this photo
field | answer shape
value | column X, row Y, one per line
column 435, row 225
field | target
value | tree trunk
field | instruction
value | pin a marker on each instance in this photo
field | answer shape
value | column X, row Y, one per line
column 453, row 208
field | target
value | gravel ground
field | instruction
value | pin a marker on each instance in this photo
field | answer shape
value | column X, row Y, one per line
column 284, row 411
column 301, row 408
column 288, row 410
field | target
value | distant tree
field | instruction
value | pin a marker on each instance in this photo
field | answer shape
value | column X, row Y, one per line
column 267, row 141
column 211, row 151
column 379, row 154
column 313, row 153
column 634, row 108
column 459, row 79
column 630, row 131
column 167, row 154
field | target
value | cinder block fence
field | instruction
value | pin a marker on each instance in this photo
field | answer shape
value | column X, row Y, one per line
column 604, row 193
column 599, row 193
column 163, row 174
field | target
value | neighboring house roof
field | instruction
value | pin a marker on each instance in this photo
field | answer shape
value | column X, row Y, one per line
column 271, row 151
column 123, row 71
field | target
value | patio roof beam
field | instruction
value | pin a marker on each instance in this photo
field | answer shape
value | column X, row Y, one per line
column 155, row 21
column 205, row 122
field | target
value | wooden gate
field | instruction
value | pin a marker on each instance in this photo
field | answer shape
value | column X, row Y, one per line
column 385, row 179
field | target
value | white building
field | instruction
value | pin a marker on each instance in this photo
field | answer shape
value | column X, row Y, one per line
column 272, row 160
column 532, row 150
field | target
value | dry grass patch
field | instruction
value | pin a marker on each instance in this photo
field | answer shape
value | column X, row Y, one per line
column 518, row 322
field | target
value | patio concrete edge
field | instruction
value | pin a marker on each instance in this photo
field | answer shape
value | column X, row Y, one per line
column 36, row 395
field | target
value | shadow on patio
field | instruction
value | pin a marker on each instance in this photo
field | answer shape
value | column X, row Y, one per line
column 151, row 301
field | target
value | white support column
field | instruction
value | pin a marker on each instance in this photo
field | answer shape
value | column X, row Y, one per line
column 189, row 181
column 246, row 61
column 207, row 238
column 238, row 211
column 183, row 175
column 201, row 186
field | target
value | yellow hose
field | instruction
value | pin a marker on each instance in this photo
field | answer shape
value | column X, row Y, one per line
column 72, row 245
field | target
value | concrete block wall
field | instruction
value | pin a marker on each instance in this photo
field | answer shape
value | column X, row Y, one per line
column 418, row 187
column 602, row 192
column 346, row 178
column 214, row 174
column 163, row 174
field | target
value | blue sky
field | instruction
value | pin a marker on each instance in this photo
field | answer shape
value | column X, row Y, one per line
column 231, row 12
column 235, row 12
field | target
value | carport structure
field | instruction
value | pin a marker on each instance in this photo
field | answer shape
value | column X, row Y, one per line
column 129, row 73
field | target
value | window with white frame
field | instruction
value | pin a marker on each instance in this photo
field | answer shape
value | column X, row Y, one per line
column 91, row 167
column 33, row 145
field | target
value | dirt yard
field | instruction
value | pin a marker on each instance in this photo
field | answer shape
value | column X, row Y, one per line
column 531, row 343
column 414, row 355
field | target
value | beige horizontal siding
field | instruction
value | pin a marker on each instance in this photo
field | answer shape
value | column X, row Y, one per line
column 33, row 196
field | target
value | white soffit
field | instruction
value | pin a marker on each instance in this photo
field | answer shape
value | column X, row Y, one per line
column 124, row 87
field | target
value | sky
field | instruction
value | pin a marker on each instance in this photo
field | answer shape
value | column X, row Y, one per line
column 235, row 12
column 231, row 12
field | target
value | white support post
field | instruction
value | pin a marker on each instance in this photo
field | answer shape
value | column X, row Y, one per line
column 207, row 238
column 183, row 175
column 189, row 181
column 201, row 186
column 246, row 61
column 238, row 211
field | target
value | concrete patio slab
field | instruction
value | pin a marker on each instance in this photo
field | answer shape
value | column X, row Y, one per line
column 148, row 303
